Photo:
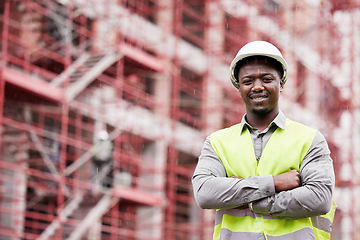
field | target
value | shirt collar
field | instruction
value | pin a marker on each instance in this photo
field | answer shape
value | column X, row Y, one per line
column 279, row 121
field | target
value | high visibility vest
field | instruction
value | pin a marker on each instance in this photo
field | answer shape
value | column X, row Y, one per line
column 283, row 152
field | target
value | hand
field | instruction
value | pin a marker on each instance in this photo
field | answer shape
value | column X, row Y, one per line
column 287, row 181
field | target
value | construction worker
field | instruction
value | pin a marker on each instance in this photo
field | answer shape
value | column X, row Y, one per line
column 102, row 160
column 268, row 177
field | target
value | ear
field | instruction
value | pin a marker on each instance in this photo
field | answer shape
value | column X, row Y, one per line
column 238, row 85
column 282, row 83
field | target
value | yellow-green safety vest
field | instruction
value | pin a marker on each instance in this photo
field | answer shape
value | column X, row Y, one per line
column 283, row 152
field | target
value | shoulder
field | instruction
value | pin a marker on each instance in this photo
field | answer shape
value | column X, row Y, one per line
column 294, row 125
column 319, row 144
column 300, row 131
column 226, row 131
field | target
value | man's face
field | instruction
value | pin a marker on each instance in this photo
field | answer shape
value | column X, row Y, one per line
column 259, row 86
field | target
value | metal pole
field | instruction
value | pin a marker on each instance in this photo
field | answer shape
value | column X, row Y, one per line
column 3, row 63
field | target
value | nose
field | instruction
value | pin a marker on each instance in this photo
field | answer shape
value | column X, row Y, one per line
column 258, row 86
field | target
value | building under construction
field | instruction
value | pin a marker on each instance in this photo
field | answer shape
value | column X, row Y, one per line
column 151, row 79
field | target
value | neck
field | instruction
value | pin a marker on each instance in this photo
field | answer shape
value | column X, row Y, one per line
column 260, row 121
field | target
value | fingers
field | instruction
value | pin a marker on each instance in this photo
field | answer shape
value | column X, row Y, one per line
column 295, row 174
column 287, row 181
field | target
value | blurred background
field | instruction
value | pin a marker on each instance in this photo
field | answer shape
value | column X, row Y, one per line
column 104, row 107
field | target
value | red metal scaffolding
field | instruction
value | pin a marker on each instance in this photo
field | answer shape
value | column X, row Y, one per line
column 153, row 75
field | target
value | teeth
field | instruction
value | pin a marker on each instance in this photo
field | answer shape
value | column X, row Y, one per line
column 259, row 99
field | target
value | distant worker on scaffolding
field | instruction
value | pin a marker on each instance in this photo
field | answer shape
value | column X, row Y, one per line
column 102, row 160
column 268, row 177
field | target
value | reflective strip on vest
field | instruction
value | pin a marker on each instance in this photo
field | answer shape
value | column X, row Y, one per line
column 302, row 234
column 243, row 222
column 322, row 223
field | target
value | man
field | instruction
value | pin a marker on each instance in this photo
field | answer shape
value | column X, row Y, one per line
column 268, row 177
column 102, row 160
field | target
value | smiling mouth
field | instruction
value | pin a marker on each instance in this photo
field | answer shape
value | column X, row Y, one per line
column 258, row 97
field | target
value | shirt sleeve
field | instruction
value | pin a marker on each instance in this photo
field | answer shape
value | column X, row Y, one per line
column 314, row 197
column 214, row 190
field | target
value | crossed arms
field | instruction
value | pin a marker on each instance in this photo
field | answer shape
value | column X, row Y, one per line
column 289, row 195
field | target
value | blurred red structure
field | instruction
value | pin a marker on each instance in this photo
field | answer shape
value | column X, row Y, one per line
column 153, row 73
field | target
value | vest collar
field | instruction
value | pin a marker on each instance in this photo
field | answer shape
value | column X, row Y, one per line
column 279, row 121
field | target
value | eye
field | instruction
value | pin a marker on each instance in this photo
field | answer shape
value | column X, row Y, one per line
column 268, row 79
column 246, row 81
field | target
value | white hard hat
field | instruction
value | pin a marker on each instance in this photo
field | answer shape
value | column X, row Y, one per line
column 257, row 48
column 102, row 135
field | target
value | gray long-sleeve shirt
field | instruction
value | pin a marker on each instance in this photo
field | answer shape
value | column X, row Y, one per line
column 214, row 190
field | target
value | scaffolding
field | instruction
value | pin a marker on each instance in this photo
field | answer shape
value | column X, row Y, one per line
column 153, row 74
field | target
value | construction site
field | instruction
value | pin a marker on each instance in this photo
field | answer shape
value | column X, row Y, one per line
column 148, row 81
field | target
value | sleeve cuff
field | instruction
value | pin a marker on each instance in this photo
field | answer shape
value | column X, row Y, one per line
column 266, row 185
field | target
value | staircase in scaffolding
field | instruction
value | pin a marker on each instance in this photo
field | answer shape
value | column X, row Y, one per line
column 74, row 204
column 84, row 71
column 79, row 202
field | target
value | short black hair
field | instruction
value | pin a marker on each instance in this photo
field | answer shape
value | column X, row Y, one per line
column 270, row 60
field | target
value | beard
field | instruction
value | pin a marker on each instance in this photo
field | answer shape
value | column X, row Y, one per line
column 260, row 111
